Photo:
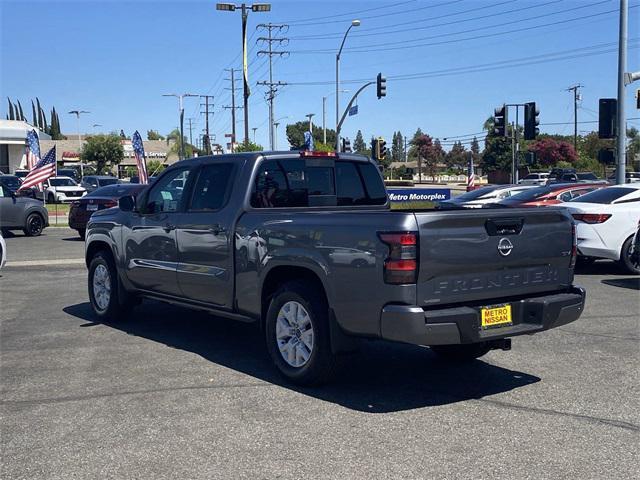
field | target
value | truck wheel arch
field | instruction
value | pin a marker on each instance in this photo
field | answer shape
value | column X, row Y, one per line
column 95, row 247
column 281, row 274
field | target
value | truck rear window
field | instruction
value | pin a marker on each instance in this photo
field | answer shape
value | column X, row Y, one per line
column 288, row 183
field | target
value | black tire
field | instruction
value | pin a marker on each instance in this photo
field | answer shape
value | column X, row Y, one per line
column 33, row 225
column 461, row 353
column 82, row 232
column 320, row 366
column 116, row 308
column 584, row 262
column 51, row 198
column 625, row 258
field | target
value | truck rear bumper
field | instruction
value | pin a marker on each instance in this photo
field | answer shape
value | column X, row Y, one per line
column 448, row 326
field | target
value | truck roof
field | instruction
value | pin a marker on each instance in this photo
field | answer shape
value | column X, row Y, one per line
column 255, row 156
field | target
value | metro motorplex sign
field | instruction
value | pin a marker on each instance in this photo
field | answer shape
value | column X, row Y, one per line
column 399, row 195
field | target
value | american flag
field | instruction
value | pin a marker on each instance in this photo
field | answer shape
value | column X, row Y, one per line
column 138, row 149
column 471, row 180
column 42, row 170
column 33, row 149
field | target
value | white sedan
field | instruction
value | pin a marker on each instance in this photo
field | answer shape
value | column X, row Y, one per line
column 3, row 252
column 606, row 221
column 486, row 195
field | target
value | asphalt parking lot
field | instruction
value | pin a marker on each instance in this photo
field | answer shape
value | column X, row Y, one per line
column 176, row 394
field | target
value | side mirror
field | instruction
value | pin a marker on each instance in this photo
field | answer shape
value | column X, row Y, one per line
column 127, row 204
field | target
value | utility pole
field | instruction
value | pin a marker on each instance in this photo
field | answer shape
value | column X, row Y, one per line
column 180, row 98
column 271, row 94
column 576, row 98
column 207, row 146
column 190, row 119
column 233, row 108
column 77, row 113
column 622, row 124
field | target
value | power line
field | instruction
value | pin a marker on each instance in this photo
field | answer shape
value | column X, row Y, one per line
column 516, row 62
column 387, row 46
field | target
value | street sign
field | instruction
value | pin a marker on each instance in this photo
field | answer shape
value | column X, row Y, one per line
column 353, row 111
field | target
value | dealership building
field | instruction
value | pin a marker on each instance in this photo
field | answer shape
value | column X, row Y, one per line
column 13, row 134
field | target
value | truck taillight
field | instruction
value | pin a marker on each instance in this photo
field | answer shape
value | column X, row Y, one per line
column 574, row 246
column 592, row 217
column 110, row 203
column 401, row 265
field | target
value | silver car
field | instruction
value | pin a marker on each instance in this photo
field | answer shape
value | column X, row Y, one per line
column 22, row 213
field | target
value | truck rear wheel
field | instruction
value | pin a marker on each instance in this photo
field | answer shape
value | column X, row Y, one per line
column 297, row 334
column 461, row 353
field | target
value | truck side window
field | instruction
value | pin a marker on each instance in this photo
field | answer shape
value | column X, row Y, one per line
column 349, row 185
column 270, row 187
column 376, row 193
column 164, row 196
column 212, row 187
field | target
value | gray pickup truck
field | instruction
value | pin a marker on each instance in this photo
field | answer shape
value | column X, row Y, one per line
column 305, row 245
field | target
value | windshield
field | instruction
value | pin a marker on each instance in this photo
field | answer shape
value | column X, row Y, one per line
column 604, row 195
column 475, row 194
column 116, row 191
column 531, row 194
column 62, row 182
column 103, row 182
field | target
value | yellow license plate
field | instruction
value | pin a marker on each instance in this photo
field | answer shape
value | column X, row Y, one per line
column 496, row 316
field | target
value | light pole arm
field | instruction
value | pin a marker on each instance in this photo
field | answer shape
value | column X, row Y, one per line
column 344, row 115
column 344, row 39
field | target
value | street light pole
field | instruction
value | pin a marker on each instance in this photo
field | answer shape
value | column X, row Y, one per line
column 77, row 113
column 275, row 131
column 310, row 116
column 354, row 23
column 324, row 114
column 621, row 122
column 244, row 8
column 180, row 98
column 254, row 133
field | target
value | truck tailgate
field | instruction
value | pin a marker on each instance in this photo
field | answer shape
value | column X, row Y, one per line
column 488, row 254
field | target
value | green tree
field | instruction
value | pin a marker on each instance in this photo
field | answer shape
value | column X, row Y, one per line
column 456, row 158
column 413, row 152
column 154, row 135
column 550, row 152
column 427, row 153
column 104, row 151
column 397, row 147
column 633, row 148
column 154, row 167
column 475, row 150
column 358, row 144
column 249, row 147
column 295, row 134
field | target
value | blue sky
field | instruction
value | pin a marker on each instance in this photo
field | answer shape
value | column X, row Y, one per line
column 117, row 58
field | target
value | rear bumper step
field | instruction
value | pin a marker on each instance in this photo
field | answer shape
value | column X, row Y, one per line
column 410, row 324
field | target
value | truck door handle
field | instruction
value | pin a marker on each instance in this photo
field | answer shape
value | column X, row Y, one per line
column 168, row 227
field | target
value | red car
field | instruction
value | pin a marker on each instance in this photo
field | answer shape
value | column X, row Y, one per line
column 99, row 199
column 550, row 194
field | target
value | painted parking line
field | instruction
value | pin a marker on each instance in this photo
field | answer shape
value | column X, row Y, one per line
column 44, row 263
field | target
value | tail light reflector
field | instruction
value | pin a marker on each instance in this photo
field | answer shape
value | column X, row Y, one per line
column 592, row 218
column 401, row 265
column 574, row 246
column 110, row 203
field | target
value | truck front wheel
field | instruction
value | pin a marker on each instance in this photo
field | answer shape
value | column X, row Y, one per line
column 461, row 353
column 297, row 334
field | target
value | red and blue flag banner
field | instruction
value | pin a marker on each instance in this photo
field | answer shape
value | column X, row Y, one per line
column 41, row 171
column 32, row 149
column 471, row 180
column 141, row 160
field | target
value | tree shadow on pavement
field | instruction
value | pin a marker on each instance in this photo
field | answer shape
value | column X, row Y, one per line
column 382, row 377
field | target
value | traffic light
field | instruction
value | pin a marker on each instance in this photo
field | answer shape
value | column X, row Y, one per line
column 606, row 157
column 531, row 121
column 500, row 121
column 381, row 86
column 375, row 149
column 382, row 149
column 530, row 158
column 607, row 111
column 346, row 145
